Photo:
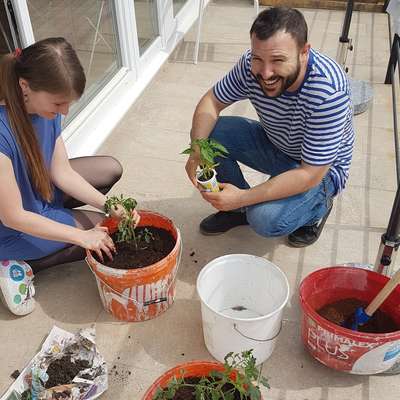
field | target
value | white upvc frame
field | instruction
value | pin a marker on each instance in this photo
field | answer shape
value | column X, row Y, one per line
column 187, row 16
column 90, row 128
column 126, row 24
column 166, row 22
column 23, row 19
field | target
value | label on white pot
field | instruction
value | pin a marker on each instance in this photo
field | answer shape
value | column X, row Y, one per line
column 210, row 185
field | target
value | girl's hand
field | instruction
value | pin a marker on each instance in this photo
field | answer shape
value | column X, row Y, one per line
column 98, row 240
column 120, row 212
column 136, row 218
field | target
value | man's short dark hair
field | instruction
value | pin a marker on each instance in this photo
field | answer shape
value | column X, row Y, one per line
column 273, row 20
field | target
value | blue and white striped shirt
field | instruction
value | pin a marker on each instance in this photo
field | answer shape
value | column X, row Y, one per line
column 313, row 124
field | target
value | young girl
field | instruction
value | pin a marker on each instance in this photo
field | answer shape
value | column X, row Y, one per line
column 39, row 186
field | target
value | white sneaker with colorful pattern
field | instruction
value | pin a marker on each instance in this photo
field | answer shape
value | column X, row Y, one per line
column 16, row 286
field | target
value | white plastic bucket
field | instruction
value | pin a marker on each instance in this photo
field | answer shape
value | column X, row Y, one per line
column 242, row 300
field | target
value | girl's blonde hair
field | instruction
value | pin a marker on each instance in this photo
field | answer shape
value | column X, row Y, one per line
column 50, row 65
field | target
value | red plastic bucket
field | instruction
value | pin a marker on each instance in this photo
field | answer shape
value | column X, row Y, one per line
column 340, row 348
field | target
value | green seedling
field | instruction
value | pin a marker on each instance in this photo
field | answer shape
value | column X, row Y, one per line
column 146, row 235
column 126, row 226
column 240, row 376
column 209, row 150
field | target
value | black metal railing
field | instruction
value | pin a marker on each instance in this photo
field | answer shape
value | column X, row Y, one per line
column 390, row 240
column 394, row 61
column 344, row 37
column 345, row 44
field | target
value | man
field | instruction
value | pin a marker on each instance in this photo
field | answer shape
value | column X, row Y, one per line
column 303, row 139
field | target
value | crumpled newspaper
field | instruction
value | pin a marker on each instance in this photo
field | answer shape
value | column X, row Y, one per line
column 89, row 384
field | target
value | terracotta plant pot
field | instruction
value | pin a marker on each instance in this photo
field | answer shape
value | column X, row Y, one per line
column 189, row 369
column 193, row 368
column 143, row 293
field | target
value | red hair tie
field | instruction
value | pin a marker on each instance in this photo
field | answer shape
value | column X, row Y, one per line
column 17, row 53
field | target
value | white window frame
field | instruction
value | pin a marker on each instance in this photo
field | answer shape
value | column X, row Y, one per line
column 23, row 19
column 91, row 127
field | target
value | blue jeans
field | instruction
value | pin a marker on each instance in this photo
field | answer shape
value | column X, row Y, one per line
column 247, row 143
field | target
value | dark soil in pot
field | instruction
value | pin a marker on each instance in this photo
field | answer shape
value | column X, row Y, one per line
column 129, row 256
column 63, row 371
column 339, row 311
column 202, row 178
column 205, row 178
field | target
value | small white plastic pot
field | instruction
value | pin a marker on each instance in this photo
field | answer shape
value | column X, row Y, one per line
column 211, row 185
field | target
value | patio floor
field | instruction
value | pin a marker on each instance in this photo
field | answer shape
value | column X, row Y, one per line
column 148, row 142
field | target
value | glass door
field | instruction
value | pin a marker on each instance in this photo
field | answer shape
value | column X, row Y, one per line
column 121, row 44
column 9, row 38
column 146, row 23
column 90, row 27
column 177, row 5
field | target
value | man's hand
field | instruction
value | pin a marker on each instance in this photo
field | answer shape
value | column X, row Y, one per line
column 191, row 167
column 229, row 198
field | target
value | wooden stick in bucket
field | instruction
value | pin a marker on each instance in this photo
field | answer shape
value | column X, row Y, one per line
column 361, row 316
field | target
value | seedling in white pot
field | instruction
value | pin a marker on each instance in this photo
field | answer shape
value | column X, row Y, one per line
column 209, row 150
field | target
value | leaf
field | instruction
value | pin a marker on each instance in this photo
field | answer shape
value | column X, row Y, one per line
column 204, row 381
column 229, row 396
column 254, row 393
column 159, row 395
column 264, row 382
column 199, row 393
column 218, row 146
column 215, row 395
column 171, row 390
column 209, row 150
column 129, row 204
column 125, row 225
column 208, row 156
column 217, row 374
column 218, row 154
column 207, row 173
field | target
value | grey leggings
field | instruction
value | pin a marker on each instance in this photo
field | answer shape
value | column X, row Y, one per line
column 102, row 172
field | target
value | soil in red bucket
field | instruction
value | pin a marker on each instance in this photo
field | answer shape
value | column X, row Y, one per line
column 158, row 245
column 188, row 392
column 63, row 371
column 342, row 311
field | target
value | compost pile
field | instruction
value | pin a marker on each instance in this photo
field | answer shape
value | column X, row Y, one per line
column 68, row 367
column 64, row 370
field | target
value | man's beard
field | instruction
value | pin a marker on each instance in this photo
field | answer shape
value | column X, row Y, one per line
column 286, row 82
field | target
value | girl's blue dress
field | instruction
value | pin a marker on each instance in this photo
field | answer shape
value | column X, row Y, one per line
column 17, row 245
